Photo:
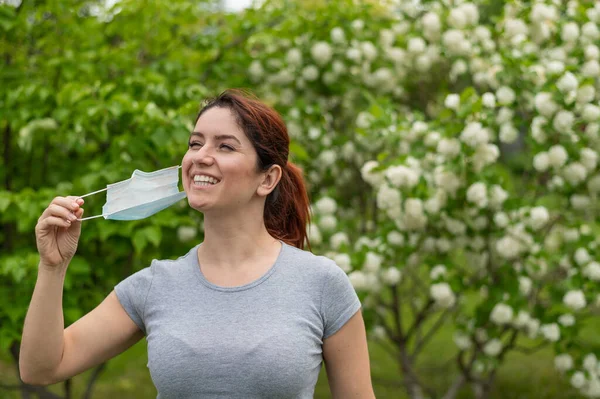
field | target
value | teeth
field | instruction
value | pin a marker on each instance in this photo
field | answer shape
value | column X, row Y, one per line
column 207, row 179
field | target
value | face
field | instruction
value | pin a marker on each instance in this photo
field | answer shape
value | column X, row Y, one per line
column 219, row 170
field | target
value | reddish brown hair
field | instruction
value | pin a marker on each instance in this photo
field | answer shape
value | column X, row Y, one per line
column 286, row 209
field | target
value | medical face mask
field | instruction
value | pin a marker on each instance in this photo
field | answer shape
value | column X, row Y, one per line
column 140, row 196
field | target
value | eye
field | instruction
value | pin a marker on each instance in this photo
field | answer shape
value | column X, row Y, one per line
column 227, row 147
column 194, row 144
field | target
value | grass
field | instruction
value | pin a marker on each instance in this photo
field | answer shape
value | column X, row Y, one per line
column 521, row 376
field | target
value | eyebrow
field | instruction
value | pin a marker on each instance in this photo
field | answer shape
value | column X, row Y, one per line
column 218, row 136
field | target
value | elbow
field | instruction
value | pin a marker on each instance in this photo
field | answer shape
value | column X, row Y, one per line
column 31, row 378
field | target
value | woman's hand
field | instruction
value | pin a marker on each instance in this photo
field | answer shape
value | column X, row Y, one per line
column 57, row 231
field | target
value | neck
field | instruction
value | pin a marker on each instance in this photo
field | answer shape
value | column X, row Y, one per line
column 231, row 239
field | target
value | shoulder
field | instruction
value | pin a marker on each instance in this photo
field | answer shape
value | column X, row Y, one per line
column 318, row 266
column 161, row 267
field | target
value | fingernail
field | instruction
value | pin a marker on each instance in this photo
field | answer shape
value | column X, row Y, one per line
column 72, row 217
column 80, row 201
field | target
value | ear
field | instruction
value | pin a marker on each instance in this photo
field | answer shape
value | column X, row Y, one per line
column 270, row 179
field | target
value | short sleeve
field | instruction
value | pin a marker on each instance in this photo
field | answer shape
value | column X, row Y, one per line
column 132, row 293
column 339, row 301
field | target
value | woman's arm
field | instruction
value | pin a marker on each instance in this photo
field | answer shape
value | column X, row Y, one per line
column 347, row 361
column 50, row 353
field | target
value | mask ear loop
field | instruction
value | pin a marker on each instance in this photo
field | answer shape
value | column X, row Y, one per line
column 99, row 191
column 88, row 194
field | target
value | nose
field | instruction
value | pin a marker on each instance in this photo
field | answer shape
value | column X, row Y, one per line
column 203, row 156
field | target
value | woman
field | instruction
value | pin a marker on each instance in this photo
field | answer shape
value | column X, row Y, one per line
column 247, row 313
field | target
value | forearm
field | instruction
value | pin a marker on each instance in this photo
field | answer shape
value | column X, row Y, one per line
column 43, row 333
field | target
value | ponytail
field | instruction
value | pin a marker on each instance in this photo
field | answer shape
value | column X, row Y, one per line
column 287, row 208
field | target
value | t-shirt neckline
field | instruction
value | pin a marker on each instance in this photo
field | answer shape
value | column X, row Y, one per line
column 258, row 281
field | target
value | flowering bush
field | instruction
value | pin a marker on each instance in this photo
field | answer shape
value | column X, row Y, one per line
column 466, row 160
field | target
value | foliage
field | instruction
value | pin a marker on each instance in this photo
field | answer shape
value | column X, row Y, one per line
column 450, row 149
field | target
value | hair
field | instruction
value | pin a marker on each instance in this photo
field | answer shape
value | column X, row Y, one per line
column 286, row 213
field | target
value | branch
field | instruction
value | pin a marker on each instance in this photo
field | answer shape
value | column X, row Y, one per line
column 419, row 319
column 438, row 324
column 532, row 350
column 456, row 386
column 95, row 374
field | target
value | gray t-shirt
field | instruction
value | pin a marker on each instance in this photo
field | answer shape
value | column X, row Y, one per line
column 260, row 340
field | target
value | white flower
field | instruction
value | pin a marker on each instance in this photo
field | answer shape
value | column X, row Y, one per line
column 586, row 94
column 568, row 82
column 505, row 95
column 314, row 234
column 563, row 362
column 508, row 247
column 402, row 176
column 310, row 73
column 388, row 197
column 570, row 32
column 452, row 101
column 395, row 238
column 449, row 147
column 416, row 45
column 524, row 285
column 508, row 133
column 186, row 233
column 582, row 257
column 580, row 202
column 590, row 362
column 328, row 222
column 522, row 320
column 447, row 180
column 539, row 216
column 256, row 70
column 501, row 314
column 294, row 56
column 544, row 104
column 475, row 134
column 592, row 271
column 541, row 161
column 566, row 319
column 353, row 54
column 471, row 12
column 455, row 42
column 369, row 50
column 442, row 294
column 437, row 271
column 485, row 154
column 431, row 25
column 493, row 347
column 592, row 52
column 326, row 206
column 501, row 219
column 557, row 155
column 575, row 300
column 338, row 239
column 343, row 261
column 462, row 341
column 457, row 18
column 337, row 35
column 575, row 173
column 551, row 332
column 391, row 276
column 578, row 380
column 477, row 194
column 591, row 113
column 358, row 25
column 497, row 196
column 358, row 280
column 589, row 158
column 368, row 175
column 563, row 121
column 591, row 69
column 488, row 100
column 590, row 30
column 372, row 262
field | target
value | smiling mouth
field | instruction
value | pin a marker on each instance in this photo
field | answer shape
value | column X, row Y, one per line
column 204, row 181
